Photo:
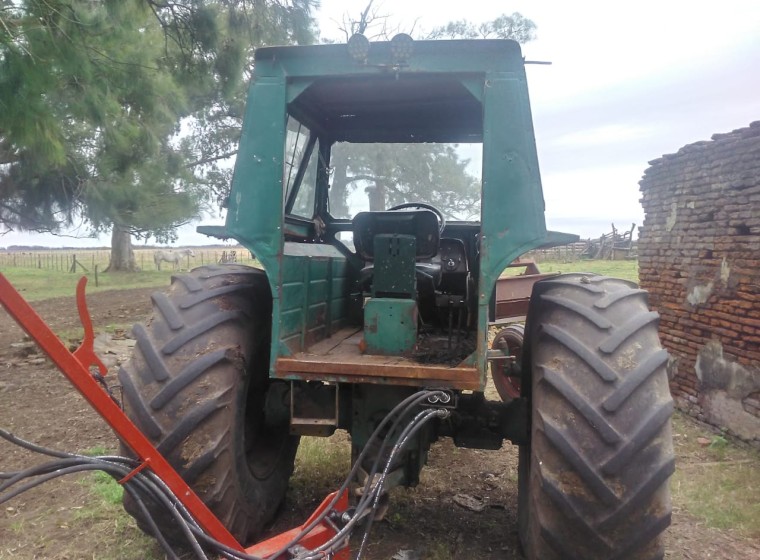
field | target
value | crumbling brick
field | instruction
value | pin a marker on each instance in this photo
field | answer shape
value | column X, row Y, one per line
column 699, row 256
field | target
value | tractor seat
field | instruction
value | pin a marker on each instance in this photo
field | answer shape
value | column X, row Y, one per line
column 420, row 224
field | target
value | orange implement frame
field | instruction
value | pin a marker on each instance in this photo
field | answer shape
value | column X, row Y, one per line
column 76, row 367
column 316, row 537
column 513, row 292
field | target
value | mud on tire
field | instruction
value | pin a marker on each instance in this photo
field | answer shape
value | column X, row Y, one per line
column 593, row 481
column 196, row 386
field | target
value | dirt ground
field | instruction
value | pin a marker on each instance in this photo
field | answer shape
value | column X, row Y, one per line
column 59, row 521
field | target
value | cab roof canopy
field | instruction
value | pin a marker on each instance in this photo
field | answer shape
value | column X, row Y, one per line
column 434, row 96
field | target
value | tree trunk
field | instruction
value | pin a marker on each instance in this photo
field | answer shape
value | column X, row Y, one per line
column 122, row 254
column 339, row 188
column 376, row 196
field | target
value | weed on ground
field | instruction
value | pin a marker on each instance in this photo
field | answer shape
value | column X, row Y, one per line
column 716, row 480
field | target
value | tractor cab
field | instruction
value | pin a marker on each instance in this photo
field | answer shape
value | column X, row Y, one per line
column 409, row 181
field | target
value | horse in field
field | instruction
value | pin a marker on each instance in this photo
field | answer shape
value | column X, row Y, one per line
column 171, row 256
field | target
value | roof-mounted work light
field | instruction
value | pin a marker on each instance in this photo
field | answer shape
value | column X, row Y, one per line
column 402, row 46
column 358, row 47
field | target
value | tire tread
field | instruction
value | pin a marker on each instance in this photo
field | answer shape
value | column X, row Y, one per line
column 182, row 389
column 598, row 489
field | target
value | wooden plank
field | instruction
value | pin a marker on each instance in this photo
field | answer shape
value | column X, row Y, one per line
column 370, row 365
column 469, row 383
column 328, row 344
column 339, row 358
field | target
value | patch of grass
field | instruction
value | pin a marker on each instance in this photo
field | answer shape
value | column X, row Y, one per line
column 719, row 482
column 439, row 551
column 321, row 465
column 627, row 270
column 36, row 284
column 114, row 533
column 105, row 487
column 96, row 451
column 44, row 274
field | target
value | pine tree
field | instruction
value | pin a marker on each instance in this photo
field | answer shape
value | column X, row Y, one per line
column 93, row 96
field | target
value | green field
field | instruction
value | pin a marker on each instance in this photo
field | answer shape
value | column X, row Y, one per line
column 46, row 274
column 628, row 270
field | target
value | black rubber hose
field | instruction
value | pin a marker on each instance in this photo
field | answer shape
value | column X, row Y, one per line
column 149, row 485
column 372, row 497
column 33, row 446
column 421, row 395
column 419, row 421
column 80, row 463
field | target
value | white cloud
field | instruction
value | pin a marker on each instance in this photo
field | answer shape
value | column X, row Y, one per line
column 606, row 134
column 610, row 193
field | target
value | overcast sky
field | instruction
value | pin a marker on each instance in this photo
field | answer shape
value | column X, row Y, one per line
column 629, row 81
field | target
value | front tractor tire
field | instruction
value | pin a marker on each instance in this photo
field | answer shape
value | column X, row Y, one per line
column 196, row 386
column 593, row 482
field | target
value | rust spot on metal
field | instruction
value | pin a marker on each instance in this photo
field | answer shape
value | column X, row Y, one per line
column 513, row 292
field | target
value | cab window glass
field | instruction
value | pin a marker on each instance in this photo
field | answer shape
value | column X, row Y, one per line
column 379, row 176
column 297, row 157
column 304, row 203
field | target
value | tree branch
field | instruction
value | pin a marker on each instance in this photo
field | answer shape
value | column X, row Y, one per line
column 211, row 159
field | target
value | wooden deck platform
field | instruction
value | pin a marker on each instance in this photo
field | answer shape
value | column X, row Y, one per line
column 340, row 359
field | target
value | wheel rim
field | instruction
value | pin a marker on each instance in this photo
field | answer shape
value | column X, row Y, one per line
column 510, row 341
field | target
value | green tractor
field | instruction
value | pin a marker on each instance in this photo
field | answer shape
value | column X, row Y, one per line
column 363, row 300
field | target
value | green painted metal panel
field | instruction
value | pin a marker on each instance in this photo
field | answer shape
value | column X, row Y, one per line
column 512, row 218
column 293, row 268
column 394, row 271
column 390, row 326
column 255, row 214
column 312, row 250
column 512, row 215
column 466, row 57
column 314, row 301
column 293, row 294
column 318, row 291
column 340, row 286
column 339, row 311
column 316, row 315
column 290, row 322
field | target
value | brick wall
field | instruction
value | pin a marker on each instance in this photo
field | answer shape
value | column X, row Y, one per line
column 699, row 257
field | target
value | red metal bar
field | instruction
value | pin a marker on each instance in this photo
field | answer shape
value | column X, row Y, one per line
column 312, row 540
column 75, row 366
column 86, row 351
column 82, row 379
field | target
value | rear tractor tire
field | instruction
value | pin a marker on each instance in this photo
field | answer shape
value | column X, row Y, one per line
column 593, row 482
column 196, row 386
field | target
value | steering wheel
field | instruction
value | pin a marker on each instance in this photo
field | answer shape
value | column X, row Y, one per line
column 424, row 206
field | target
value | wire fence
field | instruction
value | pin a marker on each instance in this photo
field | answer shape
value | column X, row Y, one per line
column 563, row 253
column 582, row 250
column 73, row 260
